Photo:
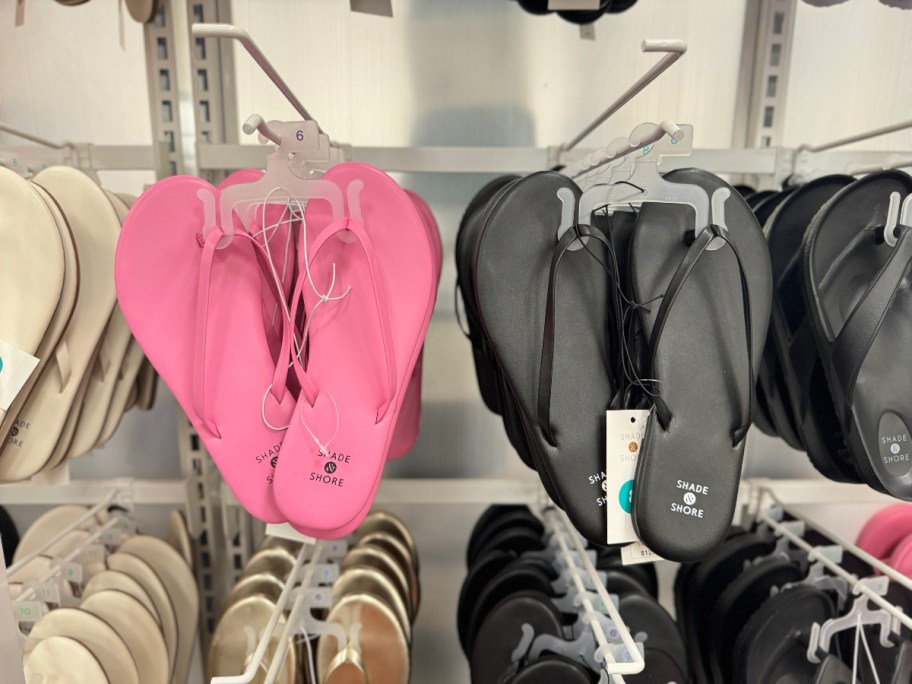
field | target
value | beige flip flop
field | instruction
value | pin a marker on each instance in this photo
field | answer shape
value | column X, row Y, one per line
column 96, row 635
column 112, row 580
column 61, row 660
column 106, row 369
column 136, row 626
column 43, row 417
column 181, row 587
column 148, row 385
column 124, row 389
column 151, row 583
column 49, row 345
column 32, row 271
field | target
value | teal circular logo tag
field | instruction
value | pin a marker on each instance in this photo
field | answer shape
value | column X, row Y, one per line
column 625, row 496
column 1, row 364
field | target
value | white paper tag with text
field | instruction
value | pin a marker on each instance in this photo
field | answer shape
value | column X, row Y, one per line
column 637, row 552
column 624, row 431
column 15, row 368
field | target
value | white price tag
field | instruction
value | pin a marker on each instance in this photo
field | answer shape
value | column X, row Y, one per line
column 624, row 431
column 555, row 5
column 15, row 368
column 587, row 31
column 637, row 552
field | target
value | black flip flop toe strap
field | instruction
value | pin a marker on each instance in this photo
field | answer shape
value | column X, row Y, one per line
column 852, row 343
column 685, row 268
column 546, row 367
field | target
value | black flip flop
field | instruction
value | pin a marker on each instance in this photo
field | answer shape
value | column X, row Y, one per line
column 553, row 669
column 622, row 584
column 10, row 536
column 521, row 518
column 585, row 16
column 705, row 337
column 857, row 286
column 480, row 573
column 502, row 632
column 767, row 206
column 512, row 579
column 745, row 190
column 738, row 602
column 791, row 331
column 643, row 614
column 544, row 308
column 710, row 577
column 773, row 643
column 517, row 540
column 491, row 514
column 758, row 198
column 466, row 239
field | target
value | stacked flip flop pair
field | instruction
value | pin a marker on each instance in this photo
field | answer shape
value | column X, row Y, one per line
column 835, row 380
column 69, row 367
column 291, row 336
column 517, row 621
column 636, row 311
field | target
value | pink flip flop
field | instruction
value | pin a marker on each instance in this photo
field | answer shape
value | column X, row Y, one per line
column 901, row 559
column 406, row 432
column 363, row 349
column 884, row 530
column 197, row 312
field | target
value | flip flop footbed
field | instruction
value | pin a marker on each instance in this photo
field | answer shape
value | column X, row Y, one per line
column 33, row 270
column 94, row 228
column 704, row 360
column 556, row 366
column 197, row 311
column 134, row 360
column 48, row 347
column 105, row 370
column 362, row 350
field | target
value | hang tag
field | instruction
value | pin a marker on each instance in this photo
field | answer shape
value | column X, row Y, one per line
column 91, row 554
column 587, row 31
column 15, row 368
column 27, row 612
column 624, row 431
column 335, row 549
column 45, row 592
column 324, row 574
column 317, row 597
column 382, row 8
column 20, row 12
column 636, row 553
column 69, row 571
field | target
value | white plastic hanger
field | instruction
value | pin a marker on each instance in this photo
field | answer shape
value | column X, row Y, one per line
column 860, row 615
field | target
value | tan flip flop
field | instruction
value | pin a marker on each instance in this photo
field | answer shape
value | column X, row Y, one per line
column 382, row 645
column 136, row 626
column 106, row 369
column 112, row 580
column 366, row 580
column 148, row 385
column 124, row 389
column 43, row 417
column 262, row 584
column 378, row 559
column 96, row 635
column 230, row 652
column 61, row 660
column 32, row 272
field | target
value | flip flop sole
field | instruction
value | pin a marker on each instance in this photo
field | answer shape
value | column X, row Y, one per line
column 689, row 470
column 857, row 287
